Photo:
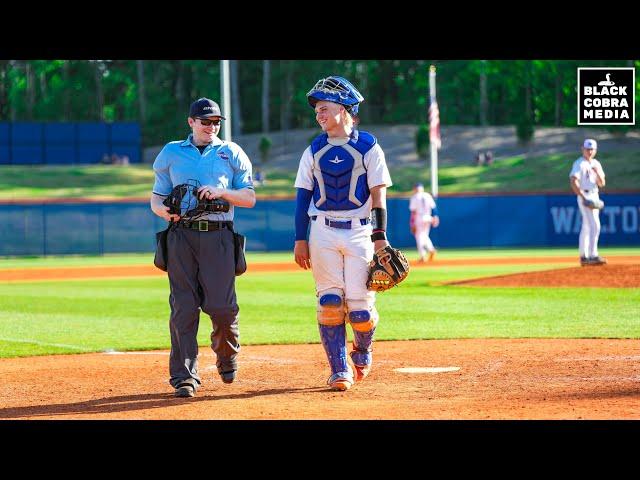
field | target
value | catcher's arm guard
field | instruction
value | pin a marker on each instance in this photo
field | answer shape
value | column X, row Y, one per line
column 387, row 269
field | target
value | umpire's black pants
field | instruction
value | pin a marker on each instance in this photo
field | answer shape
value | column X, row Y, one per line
column 201, row 269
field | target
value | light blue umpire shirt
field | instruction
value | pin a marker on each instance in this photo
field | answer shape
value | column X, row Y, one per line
column 221, row 164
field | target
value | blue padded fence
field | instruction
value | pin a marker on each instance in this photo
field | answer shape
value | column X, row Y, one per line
column 34, row 143
column 472, row 221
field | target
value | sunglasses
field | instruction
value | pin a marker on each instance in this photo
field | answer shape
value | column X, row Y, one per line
column 206, row 123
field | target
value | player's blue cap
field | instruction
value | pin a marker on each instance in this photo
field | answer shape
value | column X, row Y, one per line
column 419, row 185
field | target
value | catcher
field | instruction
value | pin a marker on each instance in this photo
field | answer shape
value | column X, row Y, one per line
column 341, row 193
column 585, row 177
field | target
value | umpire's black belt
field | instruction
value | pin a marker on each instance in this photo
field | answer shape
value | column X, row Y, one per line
column 205, row 225
column 346, row 224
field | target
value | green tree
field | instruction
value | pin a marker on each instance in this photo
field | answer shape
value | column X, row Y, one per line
column 265, row 148
column 422, row 140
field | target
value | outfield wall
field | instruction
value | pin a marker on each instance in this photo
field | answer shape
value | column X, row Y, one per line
column 466, row 221
column 50, row 143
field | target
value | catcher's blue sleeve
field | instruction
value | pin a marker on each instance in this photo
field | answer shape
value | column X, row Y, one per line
column 303, row 198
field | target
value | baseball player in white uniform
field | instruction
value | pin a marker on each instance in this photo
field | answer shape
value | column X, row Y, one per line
column 341, row 193
column 424, row 214
column 585, row 178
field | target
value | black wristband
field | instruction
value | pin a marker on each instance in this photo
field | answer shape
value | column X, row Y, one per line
column 378, row 236
column 379, row 219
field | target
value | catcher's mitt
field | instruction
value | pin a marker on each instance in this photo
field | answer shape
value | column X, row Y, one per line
column 388, row 268
column 593, row 204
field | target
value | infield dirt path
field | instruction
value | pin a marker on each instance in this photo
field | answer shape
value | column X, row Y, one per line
column 114, row 271
column 496, row 379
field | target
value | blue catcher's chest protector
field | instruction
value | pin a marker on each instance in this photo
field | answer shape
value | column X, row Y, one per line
column 339, row 174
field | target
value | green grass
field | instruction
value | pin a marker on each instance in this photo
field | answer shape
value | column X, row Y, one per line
column 71, row 181
column 132, row 314
column 547, row 173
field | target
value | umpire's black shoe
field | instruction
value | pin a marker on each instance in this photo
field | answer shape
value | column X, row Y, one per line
column 228, row 377
column 185, row 390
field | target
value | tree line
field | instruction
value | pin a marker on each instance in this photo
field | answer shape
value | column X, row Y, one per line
column 270, row 95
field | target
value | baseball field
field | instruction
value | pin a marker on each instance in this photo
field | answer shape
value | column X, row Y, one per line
column 475, row 334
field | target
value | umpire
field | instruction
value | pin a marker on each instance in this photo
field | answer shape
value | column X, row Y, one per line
column 201, row 264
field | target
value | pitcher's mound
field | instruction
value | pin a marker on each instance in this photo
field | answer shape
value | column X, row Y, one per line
column 613, row 276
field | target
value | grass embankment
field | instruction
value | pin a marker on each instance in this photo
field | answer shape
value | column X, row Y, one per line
column 514, row 174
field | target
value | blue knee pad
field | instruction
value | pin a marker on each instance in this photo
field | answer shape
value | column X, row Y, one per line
column 330, row 308
column 331, row 300
column 334, row 341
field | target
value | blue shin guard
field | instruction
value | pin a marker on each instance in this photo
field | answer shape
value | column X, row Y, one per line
column 364, row 326
column 334, row 341
column 362, row 341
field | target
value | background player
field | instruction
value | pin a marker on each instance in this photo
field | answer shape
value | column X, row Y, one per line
column 423, row 214
column 341, row 182
column 585, row 177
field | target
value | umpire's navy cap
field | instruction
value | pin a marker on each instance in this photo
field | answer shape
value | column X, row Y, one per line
column 204, row 108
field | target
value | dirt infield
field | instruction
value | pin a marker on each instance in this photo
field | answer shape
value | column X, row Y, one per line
column 412, row 380
column 495, row 379
column 612, row 276
column 118, row 271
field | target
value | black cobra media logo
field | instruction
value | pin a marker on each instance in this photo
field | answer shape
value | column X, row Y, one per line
column 606, row 96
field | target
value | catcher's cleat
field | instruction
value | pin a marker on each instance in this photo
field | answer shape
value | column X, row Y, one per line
column 361, row 372
column 341, row 385
column 432, row 255
column 228, row 377
column 341, row 381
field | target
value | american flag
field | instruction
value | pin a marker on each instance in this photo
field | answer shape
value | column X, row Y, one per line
column 434, row 124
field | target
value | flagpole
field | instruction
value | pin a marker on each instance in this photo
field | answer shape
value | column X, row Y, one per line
column 434, row 134
column 226, row 98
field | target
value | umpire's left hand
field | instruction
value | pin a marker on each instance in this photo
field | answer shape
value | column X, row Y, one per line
column 210, row 192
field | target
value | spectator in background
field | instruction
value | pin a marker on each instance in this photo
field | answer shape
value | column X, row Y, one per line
column 259, row 178
column 488, row 158
column 480, row 158
column 115, row 159
column 119, row 159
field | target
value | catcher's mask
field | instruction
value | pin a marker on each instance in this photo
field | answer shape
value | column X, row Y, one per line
column 337, row 90
column 183, row 200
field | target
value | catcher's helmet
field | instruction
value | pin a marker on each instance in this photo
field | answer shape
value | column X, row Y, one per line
column 338, row 90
